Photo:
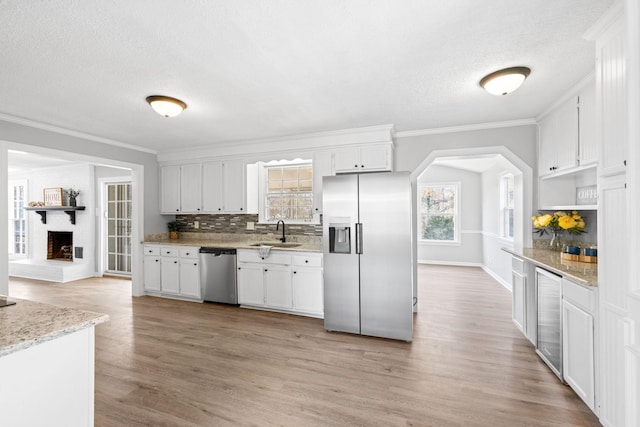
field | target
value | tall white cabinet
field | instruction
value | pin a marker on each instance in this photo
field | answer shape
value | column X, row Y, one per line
column 615, row 397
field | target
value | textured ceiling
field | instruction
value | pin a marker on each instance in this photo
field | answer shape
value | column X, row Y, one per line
column 257, row 69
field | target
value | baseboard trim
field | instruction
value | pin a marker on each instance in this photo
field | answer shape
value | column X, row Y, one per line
column 452, row 263
column 497, row 278
column 487, row 270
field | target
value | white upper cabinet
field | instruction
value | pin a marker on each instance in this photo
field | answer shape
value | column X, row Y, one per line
column 567, row 136
column 611, row 93
column 191, row 188
column 566, row 147
column 212, row 194
column 376, row 157
column 234, row 182
column 170, row 189
column 321, row 168
column 209, row 187
column 558, row 139
column 588, row 137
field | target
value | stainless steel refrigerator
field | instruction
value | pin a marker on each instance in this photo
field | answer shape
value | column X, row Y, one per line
column 367, row 254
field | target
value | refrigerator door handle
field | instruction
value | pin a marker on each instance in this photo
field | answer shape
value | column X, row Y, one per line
column 359, row 238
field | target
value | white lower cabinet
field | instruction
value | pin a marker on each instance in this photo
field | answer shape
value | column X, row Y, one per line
column 578, row 308
column 524, row 308
column 250, row 284
column 277, row 287
column 172, row 271
column 152, row 273
column 308, row 291
column 284, row 281
column 169, row 275
column 189, row 278
column 519, row 303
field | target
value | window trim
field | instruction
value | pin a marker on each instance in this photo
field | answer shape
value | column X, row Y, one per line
column 457, row 220
column 503, row 205
column 262, row 181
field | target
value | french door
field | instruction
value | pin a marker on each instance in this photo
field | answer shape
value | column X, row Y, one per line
column 118, row 227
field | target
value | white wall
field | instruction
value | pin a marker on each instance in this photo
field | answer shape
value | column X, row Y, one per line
column 495, row 261
column 469, row 250
column 412, row 150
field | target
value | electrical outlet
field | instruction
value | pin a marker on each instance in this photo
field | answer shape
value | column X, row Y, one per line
column 196, row 224
column 251, row 225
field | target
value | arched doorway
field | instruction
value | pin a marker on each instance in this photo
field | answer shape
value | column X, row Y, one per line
column 492, row 259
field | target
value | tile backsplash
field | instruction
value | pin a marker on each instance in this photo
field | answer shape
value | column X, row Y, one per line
column 237, row 224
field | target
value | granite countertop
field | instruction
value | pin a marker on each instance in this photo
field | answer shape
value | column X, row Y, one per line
column 582, row 273
column 28, row 323
column 238, row 243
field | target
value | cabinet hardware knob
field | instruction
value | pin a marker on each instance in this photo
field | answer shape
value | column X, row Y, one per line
column 195, row 263
column 306, row 261
column 187, row 253
column 262, row 257
column 177, row 210
column 198, row 208
column 240, row 208
column 239, row 268
column 361, row 166
column 157, row 260
column 294, row 272
column 266, row 270
column 625, row 163
column 355, row 166
column 175, row 262
column 219, row 209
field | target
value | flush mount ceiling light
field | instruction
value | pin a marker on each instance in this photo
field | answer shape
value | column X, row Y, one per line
column 505, row 81
column 166, row 105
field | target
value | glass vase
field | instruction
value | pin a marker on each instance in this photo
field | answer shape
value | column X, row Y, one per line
column 554, row 243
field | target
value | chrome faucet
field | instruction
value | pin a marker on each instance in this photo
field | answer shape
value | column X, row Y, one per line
column 282, row 239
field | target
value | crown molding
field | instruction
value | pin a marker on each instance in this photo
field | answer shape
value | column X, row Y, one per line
column 573, row 91
column 606, row 20
column 73, row 133
column 466, row 128
column 308, row 141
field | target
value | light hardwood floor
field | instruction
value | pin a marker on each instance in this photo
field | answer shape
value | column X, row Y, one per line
column 162, row 362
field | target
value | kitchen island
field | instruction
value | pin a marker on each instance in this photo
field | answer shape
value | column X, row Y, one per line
column 47, row 364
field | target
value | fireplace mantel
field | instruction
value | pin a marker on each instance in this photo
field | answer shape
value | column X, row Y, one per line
column 42, row 211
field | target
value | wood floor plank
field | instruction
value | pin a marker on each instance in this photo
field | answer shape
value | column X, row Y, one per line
column 162, row 362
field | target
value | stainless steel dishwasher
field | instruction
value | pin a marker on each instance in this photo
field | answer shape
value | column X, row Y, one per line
column 218, row 275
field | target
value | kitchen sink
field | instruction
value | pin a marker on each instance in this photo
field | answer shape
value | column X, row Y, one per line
column 277, row 245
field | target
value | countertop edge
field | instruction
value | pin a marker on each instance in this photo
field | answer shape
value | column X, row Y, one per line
column 23, row 345
column 568, row 274
column 304, row 247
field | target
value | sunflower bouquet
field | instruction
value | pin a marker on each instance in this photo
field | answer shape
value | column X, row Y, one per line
column 572, row 222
